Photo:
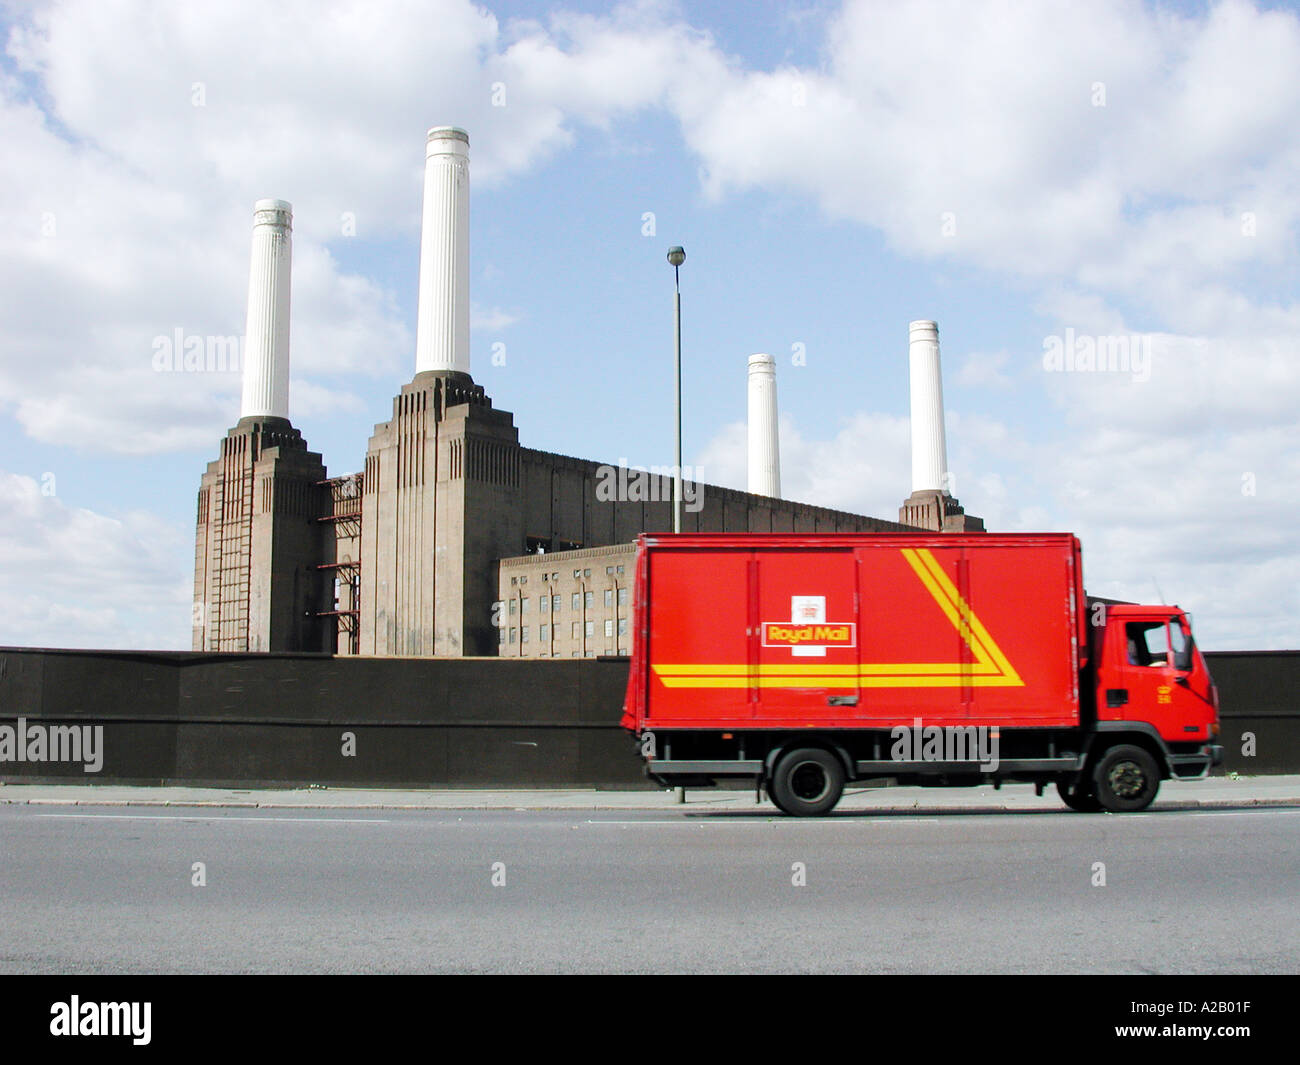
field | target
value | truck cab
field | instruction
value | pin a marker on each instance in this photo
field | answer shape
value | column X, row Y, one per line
column 1149, row 670
column 1156, row 710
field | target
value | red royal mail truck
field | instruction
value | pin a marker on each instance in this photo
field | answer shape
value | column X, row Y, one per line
column 806, row 662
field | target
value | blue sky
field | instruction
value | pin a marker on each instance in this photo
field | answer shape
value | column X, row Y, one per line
column 833, row 171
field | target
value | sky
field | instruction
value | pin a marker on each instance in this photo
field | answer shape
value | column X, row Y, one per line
column 1044, row 180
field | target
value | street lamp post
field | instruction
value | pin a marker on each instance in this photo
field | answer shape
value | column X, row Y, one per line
column 677, row 256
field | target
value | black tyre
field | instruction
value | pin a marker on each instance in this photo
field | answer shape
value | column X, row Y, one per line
column 1126, row 779
column 1078, row 797
column 807, row 782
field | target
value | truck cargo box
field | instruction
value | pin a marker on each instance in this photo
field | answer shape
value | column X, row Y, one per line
column 784, row 631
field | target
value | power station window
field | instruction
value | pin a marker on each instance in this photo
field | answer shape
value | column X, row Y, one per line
column 577, row 600
column 586, row 573
column 544, row 604
column 545, row 633
column 555, row 603
column 573, row 632
column 622, row 626
column 622, row 595
column 512, row 634
column 609, row 628
column 523, row 605
column 618, row 569
column 501, row 635
column 514, row 603
column 590, row 628
column 609, row 596
column 609, row 571
column 589, row 599
column 523, row 634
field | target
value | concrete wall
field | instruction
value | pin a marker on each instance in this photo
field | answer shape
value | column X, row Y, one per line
column 1257, row 694
column 280, row 718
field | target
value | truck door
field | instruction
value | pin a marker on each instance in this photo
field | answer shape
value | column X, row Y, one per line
column 806, row 636
column 1142, row 685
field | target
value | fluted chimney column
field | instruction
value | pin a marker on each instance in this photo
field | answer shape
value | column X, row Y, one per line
column 266, row 332
column 929, row 448
column 764, row 438
column 442, row 329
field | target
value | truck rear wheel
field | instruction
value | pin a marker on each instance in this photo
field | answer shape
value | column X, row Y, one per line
column 1078, row 797
column 807, row 782
column 1126, row 779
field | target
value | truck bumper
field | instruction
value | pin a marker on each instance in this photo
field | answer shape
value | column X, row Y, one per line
column 1195, row 766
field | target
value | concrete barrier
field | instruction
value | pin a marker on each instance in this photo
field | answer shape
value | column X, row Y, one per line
column 258, row 719
column 180, row 717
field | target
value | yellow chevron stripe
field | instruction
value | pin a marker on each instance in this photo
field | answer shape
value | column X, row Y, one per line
column 865, row 670
column 847, row 682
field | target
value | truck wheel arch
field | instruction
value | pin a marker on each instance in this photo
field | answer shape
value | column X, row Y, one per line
column 790, row 743
column 1138, row 733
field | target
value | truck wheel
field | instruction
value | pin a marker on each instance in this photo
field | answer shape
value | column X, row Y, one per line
column 1126, row 779
column 807, row 782
column 1078, row 797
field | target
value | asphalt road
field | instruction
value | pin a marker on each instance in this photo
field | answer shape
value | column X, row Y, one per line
column 111, row 891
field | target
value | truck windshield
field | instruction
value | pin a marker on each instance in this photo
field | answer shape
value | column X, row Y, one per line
column 1181, row 643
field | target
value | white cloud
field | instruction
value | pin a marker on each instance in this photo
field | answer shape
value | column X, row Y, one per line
column 983, row 115
column 75, row 578
column 861, row 468
column 490, row 319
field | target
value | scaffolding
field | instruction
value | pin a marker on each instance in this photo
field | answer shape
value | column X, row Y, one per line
column 344, row 514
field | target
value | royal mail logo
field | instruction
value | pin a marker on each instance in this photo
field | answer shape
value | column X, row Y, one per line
column 789, row 634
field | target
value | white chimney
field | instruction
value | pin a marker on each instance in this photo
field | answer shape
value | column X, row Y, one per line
column 764, row 439
column 442, row 330
column 929, row 449
column 266, row 332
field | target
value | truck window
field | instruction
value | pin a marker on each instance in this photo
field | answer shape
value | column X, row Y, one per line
column 1148, row 644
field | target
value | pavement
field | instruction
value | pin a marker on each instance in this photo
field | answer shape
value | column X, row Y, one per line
column 1211, row 793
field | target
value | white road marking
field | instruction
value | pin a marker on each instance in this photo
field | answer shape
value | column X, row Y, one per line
column 214, row 817
column 719, row 822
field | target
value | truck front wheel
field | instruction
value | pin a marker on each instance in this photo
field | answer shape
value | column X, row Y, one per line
column 807, row 782
column 1126, row 779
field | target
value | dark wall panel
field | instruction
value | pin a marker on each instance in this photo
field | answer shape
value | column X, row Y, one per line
column 280, row 718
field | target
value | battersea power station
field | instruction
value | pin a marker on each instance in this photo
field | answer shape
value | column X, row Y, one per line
column 453, row 539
